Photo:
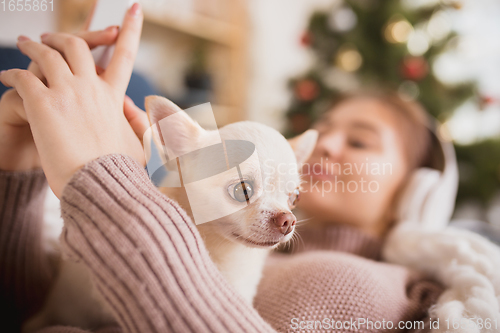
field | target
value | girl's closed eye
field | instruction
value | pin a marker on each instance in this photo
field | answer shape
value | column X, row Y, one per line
column 358, row 144
column 363, row 136
column 362, row 141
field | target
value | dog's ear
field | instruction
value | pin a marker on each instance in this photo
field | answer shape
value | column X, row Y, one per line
column 178, row 133
column 158, row 107
column 303, row 145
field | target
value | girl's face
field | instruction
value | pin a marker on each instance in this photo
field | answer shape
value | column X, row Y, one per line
column 356, row 168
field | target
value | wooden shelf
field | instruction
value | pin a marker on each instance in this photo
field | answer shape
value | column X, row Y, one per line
column 227, row 50
column 195, row 25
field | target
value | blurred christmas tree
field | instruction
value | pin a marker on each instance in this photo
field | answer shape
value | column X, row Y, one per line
column 390, row 43
column 479, row 168
column 361, row 43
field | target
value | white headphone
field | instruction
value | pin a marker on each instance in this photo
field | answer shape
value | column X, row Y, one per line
column 465, row 263
column 428, row 199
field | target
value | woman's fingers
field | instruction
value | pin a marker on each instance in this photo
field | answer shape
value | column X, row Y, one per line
column 33, row 68
column 28, row 86
column 13, row 112
column 122, row 62
column 75, row 51
column 136, row 117
column 51, row 63
column 101, row 37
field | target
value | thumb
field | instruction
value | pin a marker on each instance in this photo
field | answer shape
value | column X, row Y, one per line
column 136, row 117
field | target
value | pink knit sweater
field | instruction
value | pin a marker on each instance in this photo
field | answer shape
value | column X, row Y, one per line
column 150, row 264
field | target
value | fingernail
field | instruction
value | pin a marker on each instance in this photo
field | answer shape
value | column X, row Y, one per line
column 22, row 38
column 1, row 72
column 111, row 28
column 135, row 9
column 44, row 35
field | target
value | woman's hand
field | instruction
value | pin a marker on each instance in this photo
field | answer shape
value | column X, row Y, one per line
column 137, row 118
column 17, row 148
column 78, row 116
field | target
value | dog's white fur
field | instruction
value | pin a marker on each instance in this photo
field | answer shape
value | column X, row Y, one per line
column 73, row 301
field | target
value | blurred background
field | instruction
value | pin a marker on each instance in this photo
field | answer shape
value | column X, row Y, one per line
column 281, row 62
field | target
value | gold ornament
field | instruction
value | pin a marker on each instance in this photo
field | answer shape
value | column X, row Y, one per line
column 348, row 58
column 398, row 30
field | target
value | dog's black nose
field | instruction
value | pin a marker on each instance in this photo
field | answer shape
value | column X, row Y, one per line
column 284, row 222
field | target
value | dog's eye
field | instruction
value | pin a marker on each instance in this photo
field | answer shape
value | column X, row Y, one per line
column 293, row 198
column 241, row 191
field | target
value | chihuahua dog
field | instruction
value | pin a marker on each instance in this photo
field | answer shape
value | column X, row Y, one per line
column 239, row 242
column 259, row 199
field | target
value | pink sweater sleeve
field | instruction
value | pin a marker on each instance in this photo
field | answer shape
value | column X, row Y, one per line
column 146, row 256
column 25, row 270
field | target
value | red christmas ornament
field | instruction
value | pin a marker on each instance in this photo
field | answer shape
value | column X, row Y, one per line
column 414, row 68
column 484, row 101
column 306, row 39
column 487, row 99
column 306, row 90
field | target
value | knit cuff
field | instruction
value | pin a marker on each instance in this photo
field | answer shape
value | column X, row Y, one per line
column 21, row 197
column 103, row 228
column 22, row 186
column 26, row 272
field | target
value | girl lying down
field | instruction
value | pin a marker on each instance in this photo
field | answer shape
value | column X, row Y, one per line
column 368, row 258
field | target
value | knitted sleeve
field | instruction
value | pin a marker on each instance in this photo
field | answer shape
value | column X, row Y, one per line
column 145, row 255
column 25, row 270
column 339, row 292
column 67, row 329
